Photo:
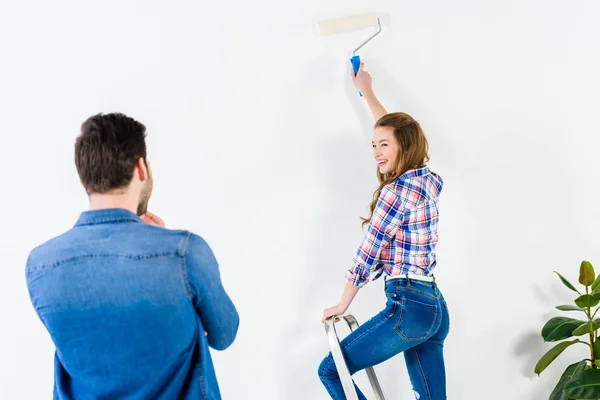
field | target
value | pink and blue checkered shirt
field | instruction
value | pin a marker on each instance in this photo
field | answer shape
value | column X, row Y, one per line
column 402, row 234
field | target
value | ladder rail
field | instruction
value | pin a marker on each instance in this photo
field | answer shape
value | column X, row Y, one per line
column 340, row 362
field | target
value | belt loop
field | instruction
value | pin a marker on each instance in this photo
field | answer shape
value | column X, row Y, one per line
column 408, row 280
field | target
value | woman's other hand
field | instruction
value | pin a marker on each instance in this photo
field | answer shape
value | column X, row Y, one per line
column 336, row 310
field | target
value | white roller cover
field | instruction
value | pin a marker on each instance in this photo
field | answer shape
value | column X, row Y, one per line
column 349, row 23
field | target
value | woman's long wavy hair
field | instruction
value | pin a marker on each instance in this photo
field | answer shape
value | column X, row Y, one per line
column 412, row 154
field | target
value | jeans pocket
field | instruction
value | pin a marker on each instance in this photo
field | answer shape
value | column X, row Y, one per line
column 417, row 319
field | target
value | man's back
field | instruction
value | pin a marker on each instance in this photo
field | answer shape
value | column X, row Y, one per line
column 126, row 305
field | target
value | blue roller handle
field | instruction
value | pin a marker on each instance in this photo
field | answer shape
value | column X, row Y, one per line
column 356, row 65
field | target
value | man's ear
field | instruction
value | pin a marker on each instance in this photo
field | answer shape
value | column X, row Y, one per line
column 142, row 170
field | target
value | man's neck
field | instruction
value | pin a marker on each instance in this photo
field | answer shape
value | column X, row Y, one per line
column 104, row 201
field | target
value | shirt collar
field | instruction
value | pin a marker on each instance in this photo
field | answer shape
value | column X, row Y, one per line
column 413, row 173
column 107, row 215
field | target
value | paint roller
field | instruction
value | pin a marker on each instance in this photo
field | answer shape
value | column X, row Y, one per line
column 351, row 23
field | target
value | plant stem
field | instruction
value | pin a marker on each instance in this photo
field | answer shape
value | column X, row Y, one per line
column 592, row 335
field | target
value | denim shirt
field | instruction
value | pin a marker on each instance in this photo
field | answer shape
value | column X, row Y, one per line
column 126, row 305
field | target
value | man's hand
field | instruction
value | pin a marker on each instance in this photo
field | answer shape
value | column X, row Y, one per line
column 151, row 219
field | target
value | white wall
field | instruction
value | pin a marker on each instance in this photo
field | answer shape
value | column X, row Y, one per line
column 260, row 144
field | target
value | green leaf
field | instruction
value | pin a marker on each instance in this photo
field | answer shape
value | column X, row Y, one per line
column 566, row 282
column 588, row 300
column 557, row 393
column 585, row 328
column 596, row 347
column 569, row 307
column 596, row 283
column 551, row 355
column 559, row 328
column 584, row 385
column 586, row 274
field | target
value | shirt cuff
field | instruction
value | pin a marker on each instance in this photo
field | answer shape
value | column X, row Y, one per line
column 357, row 276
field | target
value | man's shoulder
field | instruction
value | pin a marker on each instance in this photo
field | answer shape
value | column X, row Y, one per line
column 195, row 242
column 135, row 241
column 43, row 252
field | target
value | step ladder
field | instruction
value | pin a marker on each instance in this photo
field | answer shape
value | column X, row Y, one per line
column 340, row 363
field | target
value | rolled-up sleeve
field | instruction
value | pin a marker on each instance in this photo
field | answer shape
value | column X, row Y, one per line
column 381, row 229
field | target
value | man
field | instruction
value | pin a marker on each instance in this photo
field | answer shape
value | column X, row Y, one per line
column 131, row 307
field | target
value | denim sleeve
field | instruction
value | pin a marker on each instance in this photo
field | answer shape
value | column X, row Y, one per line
column 213, row 306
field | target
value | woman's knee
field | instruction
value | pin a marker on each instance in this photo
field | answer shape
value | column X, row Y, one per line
column 327, row 368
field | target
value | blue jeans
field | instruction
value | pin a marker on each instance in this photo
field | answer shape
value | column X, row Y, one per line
column 415, row 321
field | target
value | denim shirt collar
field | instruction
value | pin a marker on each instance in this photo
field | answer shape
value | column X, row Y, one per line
column 107, row 215
column 412, row 173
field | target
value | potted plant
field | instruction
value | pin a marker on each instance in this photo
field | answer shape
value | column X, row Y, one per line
column 581, row 380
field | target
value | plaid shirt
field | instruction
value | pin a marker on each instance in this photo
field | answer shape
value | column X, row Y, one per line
column 402, row 234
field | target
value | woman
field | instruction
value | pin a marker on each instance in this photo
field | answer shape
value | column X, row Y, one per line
column 400, row 243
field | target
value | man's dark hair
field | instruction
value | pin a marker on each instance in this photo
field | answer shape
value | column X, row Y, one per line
column 107, row 151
